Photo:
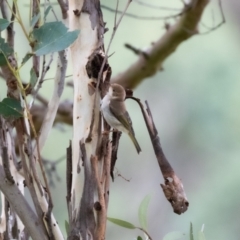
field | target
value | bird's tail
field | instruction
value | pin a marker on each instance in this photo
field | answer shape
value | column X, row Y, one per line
column 135, row 142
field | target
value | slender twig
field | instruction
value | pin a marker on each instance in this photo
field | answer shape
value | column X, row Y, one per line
column 142, row 17
column 145, row 4
column 43, row 74
column 55, row 15
column 223, row 21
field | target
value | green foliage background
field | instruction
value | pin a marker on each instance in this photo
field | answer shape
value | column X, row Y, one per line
column 195, row 104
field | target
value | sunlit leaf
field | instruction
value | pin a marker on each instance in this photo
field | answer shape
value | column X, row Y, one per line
column 3, row 23
column 10, row 107
column 174, row 236
column 121, row 223
column 142, row 212
column 52, row 37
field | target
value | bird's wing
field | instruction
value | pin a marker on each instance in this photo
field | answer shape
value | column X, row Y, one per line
column 123, row 117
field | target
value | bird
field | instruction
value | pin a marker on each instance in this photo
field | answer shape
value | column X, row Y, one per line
column 114, row 112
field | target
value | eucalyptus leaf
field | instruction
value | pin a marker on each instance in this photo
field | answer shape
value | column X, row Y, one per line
column 142, row 212
column 139, row 238
column 10, row 107
column 121, row 223
column 26, row 58
column 33, row 78
column 52, row 37
column 34, row 19
column 5, row 51
column 3, row 24
column 174, row 236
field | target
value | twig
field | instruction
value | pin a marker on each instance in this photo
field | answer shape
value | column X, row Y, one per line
column 44, row 71
column 54, row 14
column 22, row 208
column 142, row 17
column 54, row 102
column 173, row 188
column 145, row 4
column 220, row 23
column 106, row 173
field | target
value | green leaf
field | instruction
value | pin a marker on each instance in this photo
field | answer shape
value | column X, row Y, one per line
column 201, row 236
column 3, row 24
column 67, row 226
column 191, row 232
column 121, row 223
column 47, row 12
column 5, row 51
column 10, row 107
column 52, row 37
column 33, row 78
column 35, row 19
column 142, row 212
column 139, row 238
column 174, row 236
column 26, row 58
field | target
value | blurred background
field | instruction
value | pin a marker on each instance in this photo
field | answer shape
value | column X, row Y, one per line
column 195, row 104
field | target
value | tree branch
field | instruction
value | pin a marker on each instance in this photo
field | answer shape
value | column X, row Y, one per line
column 21, row 207
column 182, row 30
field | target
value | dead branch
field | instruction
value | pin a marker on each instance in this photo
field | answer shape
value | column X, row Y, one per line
column 21, row 207
column 173, row 188
column 185, row 27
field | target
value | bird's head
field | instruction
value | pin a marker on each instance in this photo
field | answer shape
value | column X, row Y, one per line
column 117, row 92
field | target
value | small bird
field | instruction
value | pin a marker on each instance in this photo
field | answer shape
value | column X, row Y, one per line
column 114, row 111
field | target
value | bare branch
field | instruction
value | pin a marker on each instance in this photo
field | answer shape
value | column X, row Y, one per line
column 183, row 29
column 23, row 210
column 54, row 102
column 173, row 188
column 131, row 15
